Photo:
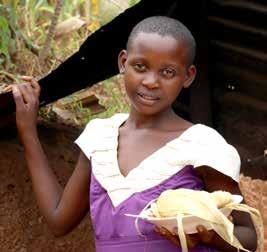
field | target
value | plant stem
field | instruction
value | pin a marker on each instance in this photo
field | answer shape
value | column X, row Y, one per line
column 51, row 31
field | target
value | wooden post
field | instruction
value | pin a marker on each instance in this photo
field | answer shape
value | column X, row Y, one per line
column 200, row 91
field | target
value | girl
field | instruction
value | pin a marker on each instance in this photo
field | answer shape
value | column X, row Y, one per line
column 128, row 160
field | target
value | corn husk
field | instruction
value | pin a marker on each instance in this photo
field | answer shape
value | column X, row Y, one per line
column 207, row 206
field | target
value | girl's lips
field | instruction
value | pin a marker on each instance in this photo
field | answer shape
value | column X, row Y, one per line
column 147, row 100
column 148, row 97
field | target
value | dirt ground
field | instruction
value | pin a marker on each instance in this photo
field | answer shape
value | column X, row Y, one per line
column 21, row 226
column 22, row 229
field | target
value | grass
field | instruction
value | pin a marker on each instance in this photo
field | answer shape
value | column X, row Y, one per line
column 111, row 94
column 34, row 24
column 113, row 97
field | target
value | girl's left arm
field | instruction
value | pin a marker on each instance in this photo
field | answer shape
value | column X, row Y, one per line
column 244, row 229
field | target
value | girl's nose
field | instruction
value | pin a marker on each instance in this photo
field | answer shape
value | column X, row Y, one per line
column 150, row 80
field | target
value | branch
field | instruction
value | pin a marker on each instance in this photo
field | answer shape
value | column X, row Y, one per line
column 51, row 31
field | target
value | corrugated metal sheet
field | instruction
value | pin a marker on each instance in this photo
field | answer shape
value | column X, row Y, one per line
column 238, row 56
column 238, row 37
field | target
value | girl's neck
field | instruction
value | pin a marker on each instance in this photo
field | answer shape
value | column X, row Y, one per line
column 137, row 120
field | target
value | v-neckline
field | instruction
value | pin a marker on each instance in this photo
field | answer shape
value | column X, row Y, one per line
column 146, row 158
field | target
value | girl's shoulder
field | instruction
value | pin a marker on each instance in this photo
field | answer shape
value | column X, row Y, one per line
column 202, row 134
column 208, row 140
column 211, row 149
column 99, row 133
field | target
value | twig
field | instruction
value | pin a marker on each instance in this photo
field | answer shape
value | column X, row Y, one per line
column 87, row 8
column 9, row 75
column 51, row 31
column 28, row 44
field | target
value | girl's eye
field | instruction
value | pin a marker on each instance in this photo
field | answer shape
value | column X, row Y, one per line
column 139, row 67
column 168, row 73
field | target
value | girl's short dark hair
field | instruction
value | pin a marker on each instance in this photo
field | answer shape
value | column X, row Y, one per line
column 166, row 26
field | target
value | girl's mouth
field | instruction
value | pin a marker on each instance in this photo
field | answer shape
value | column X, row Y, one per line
column 148, row 97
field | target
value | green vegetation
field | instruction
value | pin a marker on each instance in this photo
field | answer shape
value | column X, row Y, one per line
column 117, row 100
column 133, row 2
column 30, row 44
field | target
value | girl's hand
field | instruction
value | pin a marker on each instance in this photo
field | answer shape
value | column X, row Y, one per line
column 26, row 97
column 203, row 236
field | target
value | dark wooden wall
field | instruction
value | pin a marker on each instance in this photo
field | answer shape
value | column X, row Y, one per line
column 238, row 71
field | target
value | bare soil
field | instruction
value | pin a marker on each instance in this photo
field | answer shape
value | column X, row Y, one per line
column 23, row 229
column 21, row 226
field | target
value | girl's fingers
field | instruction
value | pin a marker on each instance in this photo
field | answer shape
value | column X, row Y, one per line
column 26, row 78
column 172, row 238
column 7, row 88
column 17, row 97
column 168, row 235
column 27, row 93
column 204, row 234
column 230, row 218
column 192, row 240
column 36, row 87
column 34, row 84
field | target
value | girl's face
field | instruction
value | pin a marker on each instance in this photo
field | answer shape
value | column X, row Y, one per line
column 155, row 70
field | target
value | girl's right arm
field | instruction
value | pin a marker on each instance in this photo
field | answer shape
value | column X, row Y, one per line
column 62, row 209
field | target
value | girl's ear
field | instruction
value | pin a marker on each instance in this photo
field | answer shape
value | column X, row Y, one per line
column 191, row 75
column 121, row 60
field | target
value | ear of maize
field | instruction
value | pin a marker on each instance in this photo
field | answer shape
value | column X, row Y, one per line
column 185, row 202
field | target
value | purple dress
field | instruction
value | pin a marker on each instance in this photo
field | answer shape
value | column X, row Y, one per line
column 116, row 232
column 170, row 167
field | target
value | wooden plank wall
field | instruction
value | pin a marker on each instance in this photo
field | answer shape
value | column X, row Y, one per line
column 238, row 65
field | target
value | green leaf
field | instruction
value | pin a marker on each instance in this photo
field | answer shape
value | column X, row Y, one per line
column 49, row 9
column 4, row 39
